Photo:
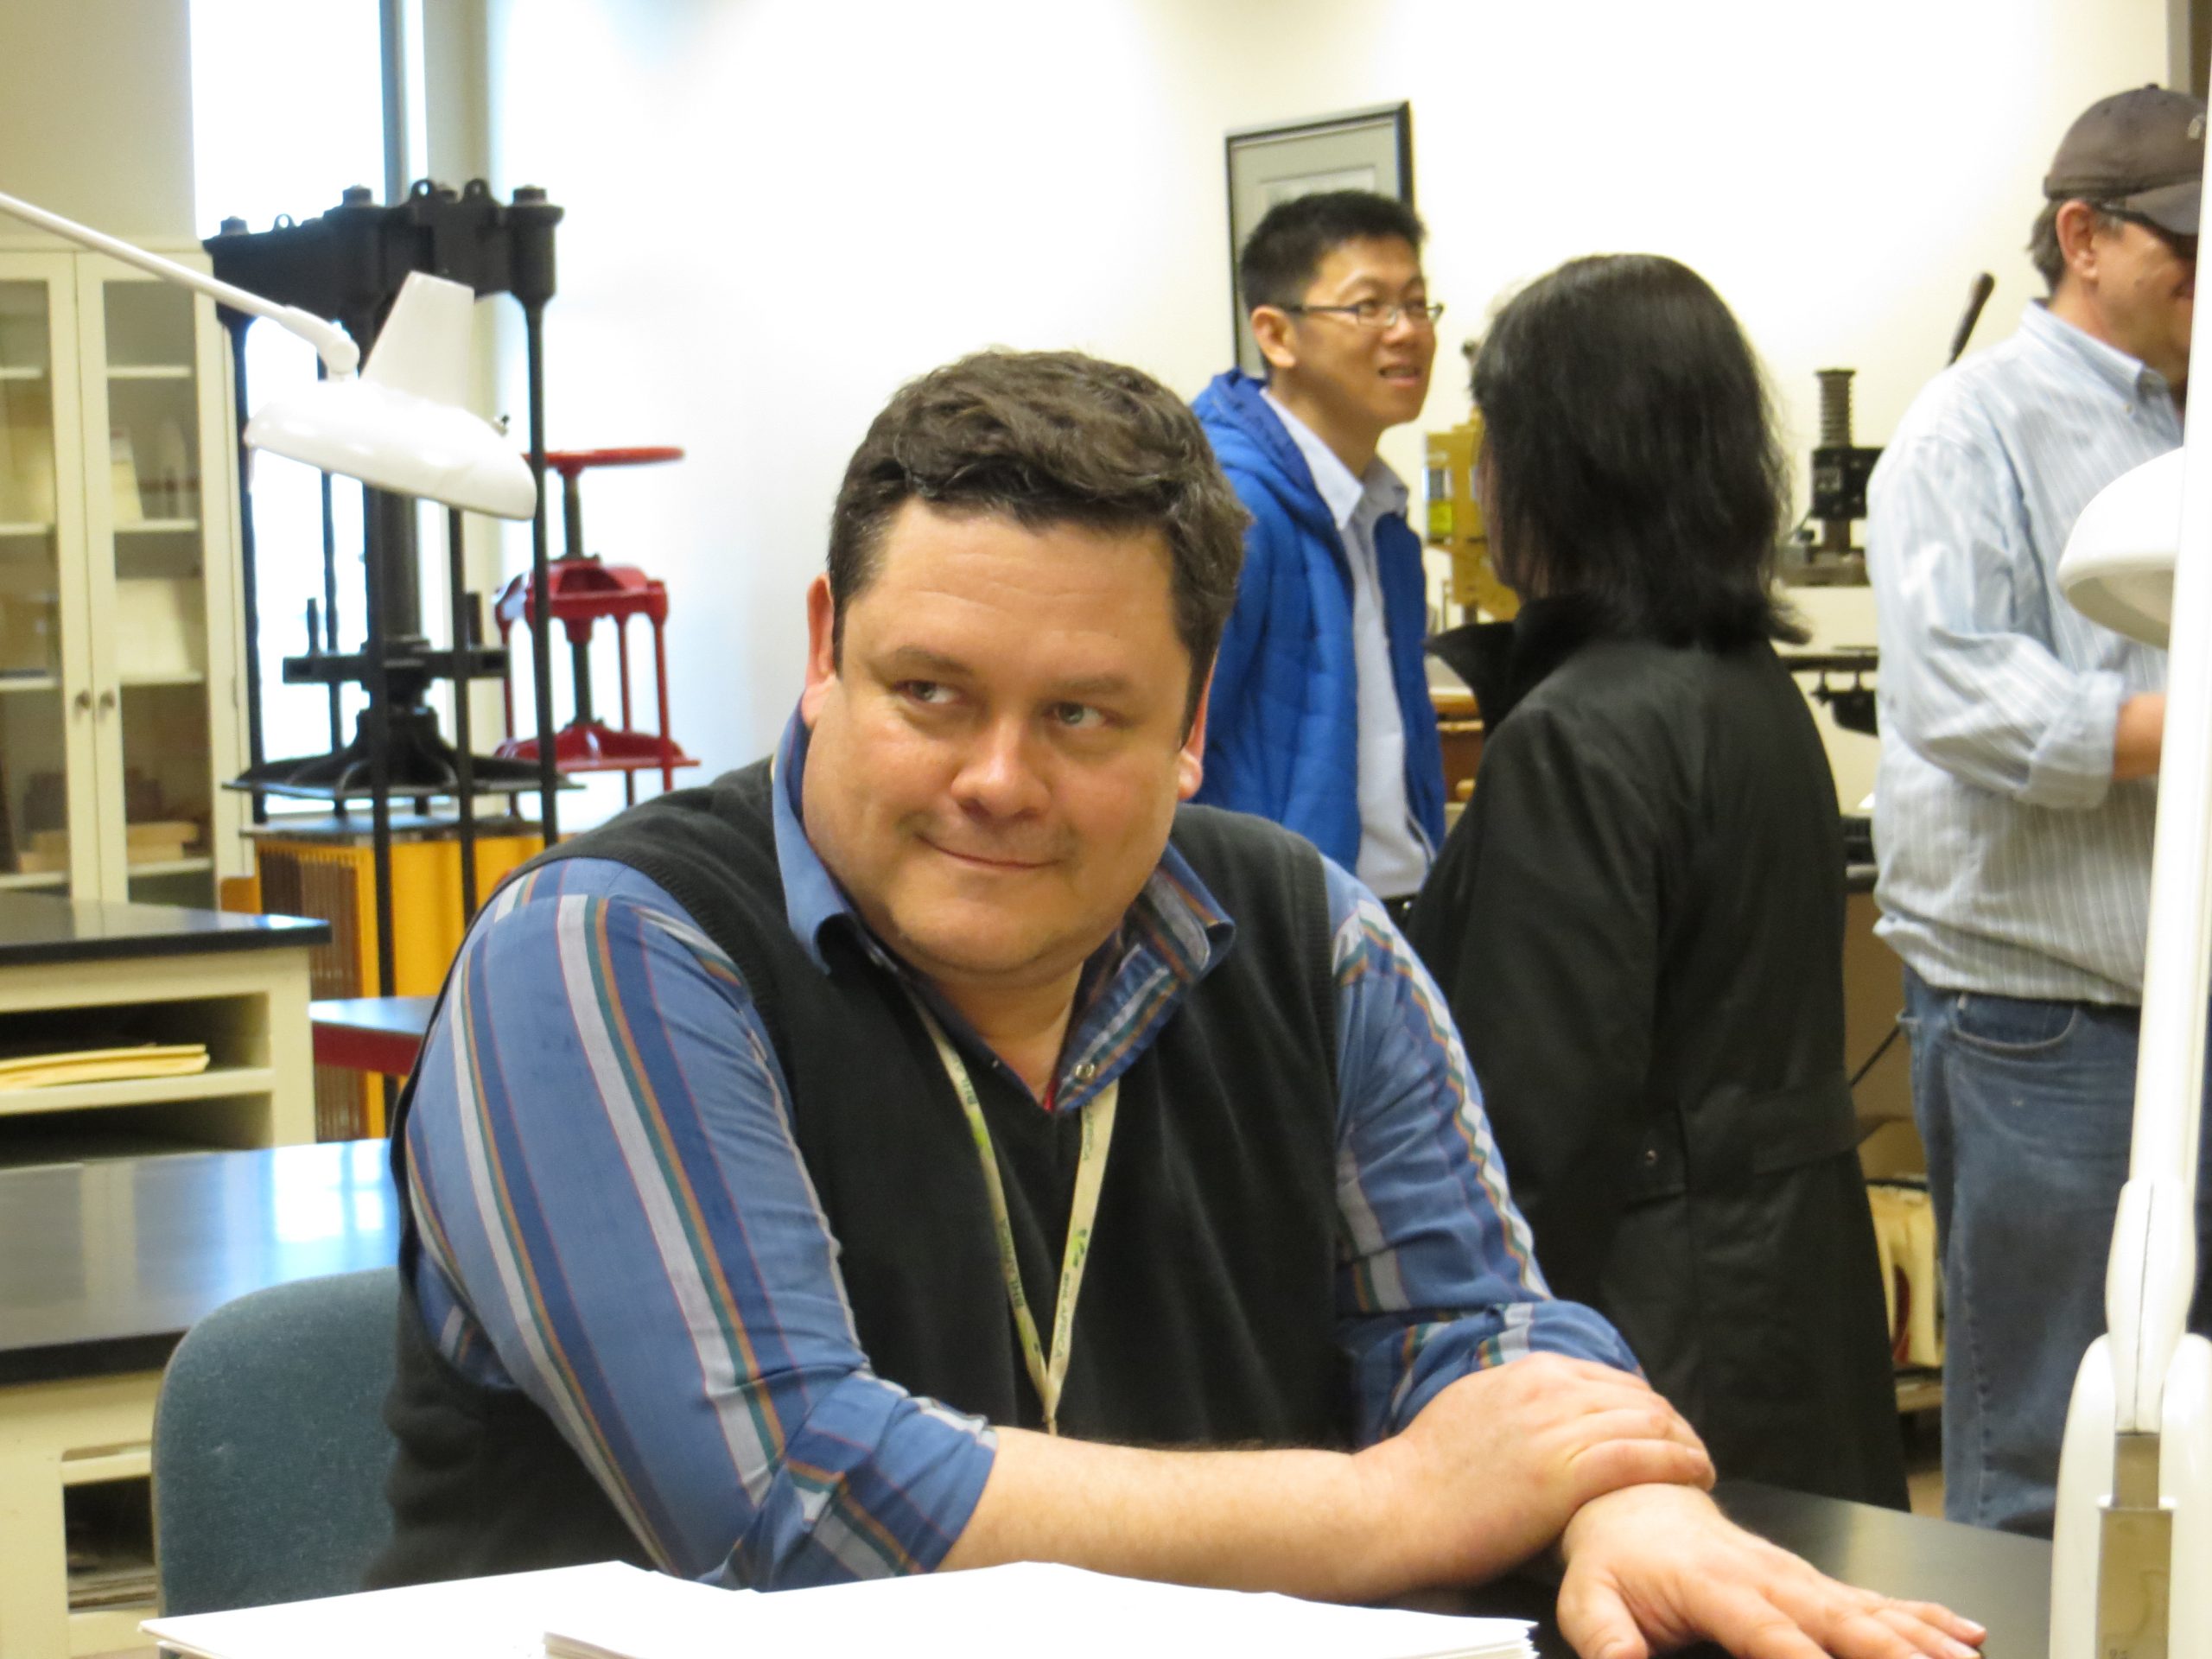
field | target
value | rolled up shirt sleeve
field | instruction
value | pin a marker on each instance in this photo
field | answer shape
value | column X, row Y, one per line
column 1436, row 1277
column 616, row 1221
column 1967, row 679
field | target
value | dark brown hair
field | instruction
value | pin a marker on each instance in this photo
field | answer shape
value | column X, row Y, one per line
column 1048, row 438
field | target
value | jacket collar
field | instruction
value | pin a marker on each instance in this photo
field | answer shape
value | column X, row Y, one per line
column 1235, row 401
column 1545, row 634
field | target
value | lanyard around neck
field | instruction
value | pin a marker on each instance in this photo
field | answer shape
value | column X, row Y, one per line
column 1048, row 1375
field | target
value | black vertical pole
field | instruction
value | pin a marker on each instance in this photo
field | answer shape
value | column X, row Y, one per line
column 541, row 581
column 379, row 723
column 464, row 759
column 531, row 220
column 330, row 606
column 249, row 581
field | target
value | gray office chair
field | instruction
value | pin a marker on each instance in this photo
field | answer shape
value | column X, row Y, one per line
column 270, row 1447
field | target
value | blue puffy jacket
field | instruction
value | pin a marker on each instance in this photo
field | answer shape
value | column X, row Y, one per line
column 1282, row 733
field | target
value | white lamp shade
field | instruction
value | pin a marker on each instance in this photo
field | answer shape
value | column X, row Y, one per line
column 399, row 441
column 400, row 427
column 2117, row 568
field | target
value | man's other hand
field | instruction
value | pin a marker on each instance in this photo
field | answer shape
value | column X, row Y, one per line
column 1660, row 1566
column 1495, row 1465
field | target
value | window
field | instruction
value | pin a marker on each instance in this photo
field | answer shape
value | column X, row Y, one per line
column 288, row 110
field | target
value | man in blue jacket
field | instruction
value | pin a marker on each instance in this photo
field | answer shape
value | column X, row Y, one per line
column 1321, row 718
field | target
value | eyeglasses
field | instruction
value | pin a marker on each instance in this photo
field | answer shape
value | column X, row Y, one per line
column 1377, row 313
column 2181, row 247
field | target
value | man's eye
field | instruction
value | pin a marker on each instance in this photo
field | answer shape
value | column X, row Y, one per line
column 1078, row 716
column 930, row 692
column 1370, row 311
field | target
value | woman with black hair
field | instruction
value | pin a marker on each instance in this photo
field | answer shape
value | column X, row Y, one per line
column 1638, row 920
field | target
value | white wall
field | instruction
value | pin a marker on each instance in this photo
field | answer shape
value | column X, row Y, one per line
column 97, row 122
column 779, row 209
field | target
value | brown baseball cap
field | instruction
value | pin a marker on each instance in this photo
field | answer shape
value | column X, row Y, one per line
column 2142, row 151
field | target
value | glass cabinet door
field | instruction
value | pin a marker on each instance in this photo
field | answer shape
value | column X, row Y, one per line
column 44, row 787
column 151, row 553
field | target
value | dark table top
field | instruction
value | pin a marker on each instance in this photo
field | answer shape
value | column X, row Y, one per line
column 104, row 1266
column 36, row 927
column 1998, row 1579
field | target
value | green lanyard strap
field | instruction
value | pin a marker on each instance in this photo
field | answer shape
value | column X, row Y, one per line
column 1049, row 1377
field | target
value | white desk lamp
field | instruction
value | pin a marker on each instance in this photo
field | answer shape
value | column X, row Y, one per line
column 400, row 425
column 2131, row 1560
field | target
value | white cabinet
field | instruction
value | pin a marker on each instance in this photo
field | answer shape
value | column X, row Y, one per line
column 121, row 714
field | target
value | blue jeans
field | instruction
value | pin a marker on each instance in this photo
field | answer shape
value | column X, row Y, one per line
column 2026, row 1109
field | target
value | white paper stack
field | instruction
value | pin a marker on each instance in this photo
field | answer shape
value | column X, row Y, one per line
column 614, row 1612
column 1018, row 1612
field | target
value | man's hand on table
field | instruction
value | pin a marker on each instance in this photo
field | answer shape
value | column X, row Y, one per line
column 1656, row 1567
column 1494, row 1467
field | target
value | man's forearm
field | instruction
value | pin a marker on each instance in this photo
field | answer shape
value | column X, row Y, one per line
column 2138, row 736
column 1482, row 1480
column 1313, row 1523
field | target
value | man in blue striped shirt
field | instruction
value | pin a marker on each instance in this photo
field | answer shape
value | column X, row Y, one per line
column 2014, row 804
column 752, row 1125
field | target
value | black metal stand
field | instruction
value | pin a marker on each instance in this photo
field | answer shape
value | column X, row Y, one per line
column 349, row 264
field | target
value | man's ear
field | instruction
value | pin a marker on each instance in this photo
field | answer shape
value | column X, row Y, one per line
column 1191, row 763
column 2076, row 225
column 1272, row 332
column 821, row 649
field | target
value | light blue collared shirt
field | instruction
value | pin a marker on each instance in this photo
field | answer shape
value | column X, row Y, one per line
column 1393, row 851
column 2010, row 862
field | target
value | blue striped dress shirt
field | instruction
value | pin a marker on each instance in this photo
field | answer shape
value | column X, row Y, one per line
column 2010, row 862
column 599, row 1064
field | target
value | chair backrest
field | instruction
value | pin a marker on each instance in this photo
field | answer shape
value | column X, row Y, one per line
column 270, row 1448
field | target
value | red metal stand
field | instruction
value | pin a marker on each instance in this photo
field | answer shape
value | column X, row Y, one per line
column 582, row 590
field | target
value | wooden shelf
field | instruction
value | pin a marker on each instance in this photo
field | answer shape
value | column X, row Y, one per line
column 214, row 1084
column 29, row 682
column 111, row 1630
column 129, row 681
column 17, row 531
column 34, row 879
column 172, row 866
column 20, row 371
column 149, row 372
column 1919, row 1390
column 155, row 527
column 119, row 1463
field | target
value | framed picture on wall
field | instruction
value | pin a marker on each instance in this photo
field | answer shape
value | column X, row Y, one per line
column 1359, row 150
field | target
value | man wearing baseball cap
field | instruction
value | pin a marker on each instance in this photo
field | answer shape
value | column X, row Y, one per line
column 2018, row 786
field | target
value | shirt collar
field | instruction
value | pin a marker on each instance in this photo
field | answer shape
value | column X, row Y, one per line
column 2131, row 379
column 1174, row 916
column 1341, row 491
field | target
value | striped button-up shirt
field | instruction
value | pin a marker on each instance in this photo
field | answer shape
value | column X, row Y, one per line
column 615, row 1220
column 2010, row 862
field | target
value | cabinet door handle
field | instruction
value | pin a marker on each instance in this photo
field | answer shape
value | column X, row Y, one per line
column 107, row 700
column 84, row 702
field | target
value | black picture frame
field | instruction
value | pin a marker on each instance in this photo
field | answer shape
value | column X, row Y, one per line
column 1370, row 149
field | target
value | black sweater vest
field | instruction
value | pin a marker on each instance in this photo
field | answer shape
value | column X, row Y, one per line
column 1207, row 1312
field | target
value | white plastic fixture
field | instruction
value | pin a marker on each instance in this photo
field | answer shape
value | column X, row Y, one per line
column 401, row 425
column 2117, row 568
column 2134, row 1528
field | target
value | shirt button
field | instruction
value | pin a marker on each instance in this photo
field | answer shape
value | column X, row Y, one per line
column 1085, row 1071
column 1650, row 1157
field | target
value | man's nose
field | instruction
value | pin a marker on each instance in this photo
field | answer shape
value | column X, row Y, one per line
column 999, row 775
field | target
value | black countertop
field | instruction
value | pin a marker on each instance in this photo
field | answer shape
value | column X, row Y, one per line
column 104, row 1265
column 40, row 928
